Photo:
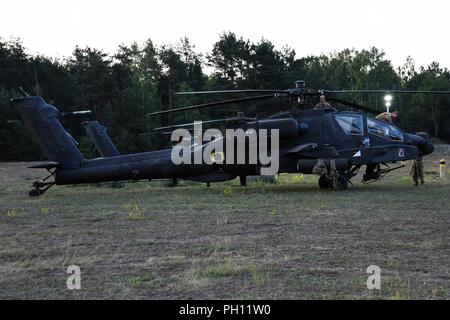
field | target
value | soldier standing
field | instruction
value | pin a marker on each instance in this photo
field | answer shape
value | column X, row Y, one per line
column 300, row 86
column 417, row 171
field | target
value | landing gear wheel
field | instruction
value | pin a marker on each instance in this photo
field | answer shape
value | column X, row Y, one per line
column 34, row 193
column 342, row 183
column 324, row 182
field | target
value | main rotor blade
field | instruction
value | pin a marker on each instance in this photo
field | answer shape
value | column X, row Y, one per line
column 213, row 104
column 191, row 124
column 230, row 91
column 312, row 92
column 76, row 115
column 387, row 91
column 184, row 125
column 354, row 105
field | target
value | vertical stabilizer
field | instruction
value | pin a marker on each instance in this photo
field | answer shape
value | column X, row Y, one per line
column 41, row 119
column 99, row 137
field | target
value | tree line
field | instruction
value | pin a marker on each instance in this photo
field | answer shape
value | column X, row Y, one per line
column 124, row 87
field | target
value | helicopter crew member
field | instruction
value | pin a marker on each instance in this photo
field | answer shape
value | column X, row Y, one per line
column 323, row 104
column 300, row 86
column 387, row 116
column 417, row 171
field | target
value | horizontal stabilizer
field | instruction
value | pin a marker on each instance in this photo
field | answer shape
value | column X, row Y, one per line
column 45, row 165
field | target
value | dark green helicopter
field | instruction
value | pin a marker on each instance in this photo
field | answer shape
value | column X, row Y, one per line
column 339, row 142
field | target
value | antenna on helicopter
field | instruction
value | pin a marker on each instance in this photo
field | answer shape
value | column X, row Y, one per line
column 24, row 92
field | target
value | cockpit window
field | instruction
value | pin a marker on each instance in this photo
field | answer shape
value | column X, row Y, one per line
column 350, row 123
column 384, row 130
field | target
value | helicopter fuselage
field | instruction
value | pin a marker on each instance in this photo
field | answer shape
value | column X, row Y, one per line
column 348, row 138
column 342, row 140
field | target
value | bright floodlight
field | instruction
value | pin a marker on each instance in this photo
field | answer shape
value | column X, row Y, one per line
column 388, row 98
column 388, row 104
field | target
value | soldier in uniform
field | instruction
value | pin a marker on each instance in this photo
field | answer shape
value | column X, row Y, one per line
column 332, row 175
column 387, row 116
column 417, row 171
column 323, row 104
column 300, row 85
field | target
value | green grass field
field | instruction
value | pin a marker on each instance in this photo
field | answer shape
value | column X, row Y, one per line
column 289, row 240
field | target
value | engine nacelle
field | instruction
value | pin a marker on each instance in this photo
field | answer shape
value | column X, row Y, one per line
column 288, row 128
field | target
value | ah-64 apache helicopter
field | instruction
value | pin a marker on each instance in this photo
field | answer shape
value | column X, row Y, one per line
column 339, row 142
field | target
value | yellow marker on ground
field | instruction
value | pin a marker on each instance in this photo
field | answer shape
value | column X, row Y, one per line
column 442, row 168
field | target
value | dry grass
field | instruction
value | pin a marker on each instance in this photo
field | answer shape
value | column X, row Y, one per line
column 287, row 240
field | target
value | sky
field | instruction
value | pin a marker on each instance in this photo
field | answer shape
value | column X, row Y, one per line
column 399, row 27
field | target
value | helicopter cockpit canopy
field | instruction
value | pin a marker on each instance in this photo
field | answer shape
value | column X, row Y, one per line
column 350, row 123
column 353, row 124
column 384, row 130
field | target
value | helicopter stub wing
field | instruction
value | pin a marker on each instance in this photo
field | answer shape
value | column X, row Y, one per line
column 385, row 154
column 313, row 150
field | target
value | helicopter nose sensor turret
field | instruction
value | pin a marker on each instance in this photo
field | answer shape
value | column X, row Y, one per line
column 422, row 141
column 427, row 147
